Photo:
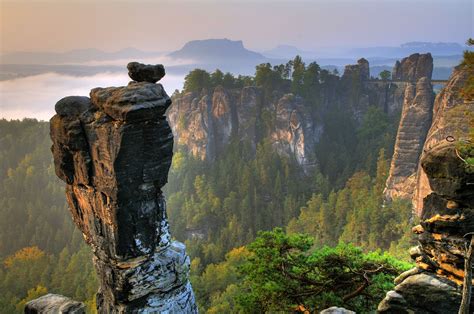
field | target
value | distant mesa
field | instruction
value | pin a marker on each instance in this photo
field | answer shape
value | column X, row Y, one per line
column 140, row 72
column 215, row 50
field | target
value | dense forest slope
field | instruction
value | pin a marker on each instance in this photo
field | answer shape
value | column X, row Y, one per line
column 294, row 147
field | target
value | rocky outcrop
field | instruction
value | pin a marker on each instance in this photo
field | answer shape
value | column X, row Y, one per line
column 145, row 72
column 361, row 70
column 114, row 151
column 413, row 68
column 447, row 213
column 336, row 310
column 54, row 303
column 205, row 123
column 450, row 123
column 434, row 286
column 295, row 133
column 414, row 124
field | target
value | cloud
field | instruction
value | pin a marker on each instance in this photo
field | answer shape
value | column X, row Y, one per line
column 35, row 96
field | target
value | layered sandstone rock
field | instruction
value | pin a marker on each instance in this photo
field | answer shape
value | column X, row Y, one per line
column 447, row 214
column 361, row 70
column 450, row 123
column 114, row 151
column 434, row 286
column 413, row 68
column 294, row 133
column 414, row 124
column 54, row 303
column 205, row 122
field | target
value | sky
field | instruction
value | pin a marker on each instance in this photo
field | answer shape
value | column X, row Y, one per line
column 56, row 25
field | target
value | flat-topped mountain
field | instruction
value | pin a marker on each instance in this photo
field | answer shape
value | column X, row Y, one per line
column 215, row 50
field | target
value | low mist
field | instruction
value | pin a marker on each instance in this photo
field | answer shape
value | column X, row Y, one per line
column 35, row 96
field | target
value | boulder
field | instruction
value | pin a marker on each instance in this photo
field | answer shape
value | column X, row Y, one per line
column 54, row 303
column 336, row 310
column 140, row 72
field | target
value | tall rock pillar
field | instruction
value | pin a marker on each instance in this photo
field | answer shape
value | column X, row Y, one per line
column 414, row 124
column 114, row 151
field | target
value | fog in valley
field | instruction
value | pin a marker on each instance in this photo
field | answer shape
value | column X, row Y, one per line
column 35, row 96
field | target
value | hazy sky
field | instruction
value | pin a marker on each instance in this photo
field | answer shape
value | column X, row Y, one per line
column 261, row 24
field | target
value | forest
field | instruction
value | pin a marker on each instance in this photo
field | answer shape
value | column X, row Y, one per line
column 234, row 213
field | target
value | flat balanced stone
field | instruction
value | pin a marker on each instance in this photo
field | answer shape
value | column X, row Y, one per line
column 140, row 72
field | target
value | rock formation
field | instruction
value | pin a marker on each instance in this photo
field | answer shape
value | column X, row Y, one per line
column 54, row 303
column 114, row 151
column 414, row 124
column 361, row 70
column 447, row 214
column 449, row 122
column 205, row 122
column 413, row 68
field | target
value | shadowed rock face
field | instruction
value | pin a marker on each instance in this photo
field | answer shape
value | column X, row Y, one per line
column 114, row 151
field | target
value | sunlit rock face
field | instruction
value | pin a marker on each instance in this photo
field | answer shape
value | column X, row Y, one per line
column 114, row 151
column 413, row 68
column 414, row 124
column 204, row 123
column 434, row 286
column 54, row 303
column 444, row 200
column 450, row 123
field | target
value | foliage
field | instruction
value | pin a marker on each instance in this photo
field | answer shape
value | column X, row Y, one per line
column 217, row 207
column 468, row 63
column 283, row 273
column 31, row 272
column 40, row 250
column 221, row 207
column 466, row 146
column 198, row 80
column 385, row 75
column 357, row 214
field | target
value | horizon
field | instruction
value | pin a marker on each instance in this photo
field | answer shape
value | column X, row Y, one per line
column 166, row 26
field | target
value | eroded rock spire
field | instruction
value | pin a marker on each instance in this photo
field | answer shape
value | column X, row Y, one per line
column 114, row 152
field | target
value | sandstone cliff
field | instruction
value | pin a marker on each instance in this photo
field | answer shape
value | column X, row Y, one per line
column 205, row 122
column 414, row 124
column 114, row 151
column 434, row 286
column 450, row 123
column 413, row 68
column 444, row 200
